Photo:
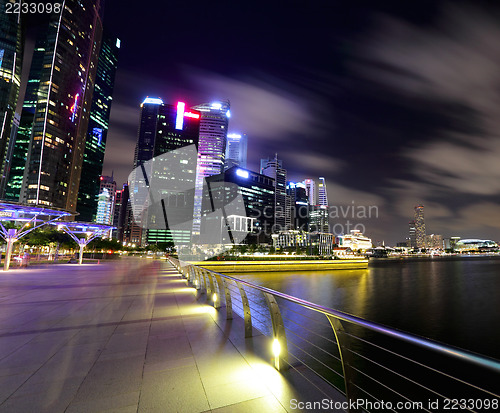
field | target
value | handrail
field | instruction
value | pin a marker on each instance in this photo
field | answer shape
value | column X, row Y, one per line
column 456, row 352
column 348, row 355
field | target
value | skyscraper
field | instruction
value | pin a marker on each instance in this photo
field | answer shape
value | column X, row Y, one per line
column 68, row 54
column 10, row 80
column 318, row 219
column 322, row 194
column 213, row 134
column 163, row 128
column 97, row 131
column 311, row 191
column 211, row 148
column 273, row 168
column 106, row 200
column 236, row 151
column 412, row 234
column 420, row 227
column 21, row 141
column 121, row 203
column 258, row 198
column 300, row 205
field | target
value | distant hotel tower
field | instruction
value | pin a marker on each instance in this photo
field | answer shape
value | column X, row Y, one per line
column 236, row 151
column 10, row 80
column 420, row 227
column 63, row 73
column 211, row 149
column 163, row 128
column 97, row 131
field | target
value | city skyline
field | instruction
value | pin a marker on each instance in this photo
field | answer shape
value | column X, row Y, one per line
column 376, row 110
column 367, row 127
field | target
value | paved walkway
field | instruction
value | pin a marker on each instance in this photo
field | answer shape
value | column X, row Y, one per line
column 128, row 337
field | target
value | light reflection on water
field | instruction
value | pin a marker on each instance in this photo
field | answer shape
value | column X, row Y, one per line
column 455, row 301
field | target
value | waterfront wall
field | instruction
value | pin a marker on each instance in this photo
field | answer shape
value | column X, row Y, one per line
column 258, row 266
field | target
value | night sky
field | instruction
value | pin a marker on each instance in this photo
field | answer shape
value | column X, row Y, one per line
column 395, row 105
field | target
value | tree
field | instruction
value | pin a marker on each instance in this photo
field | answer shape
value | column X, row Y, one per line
column 105, row 244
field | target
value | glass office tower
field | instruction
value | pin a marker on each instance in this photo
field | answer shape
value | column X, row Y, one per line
column 97, row 131
column 68, row 53
column 11, row 43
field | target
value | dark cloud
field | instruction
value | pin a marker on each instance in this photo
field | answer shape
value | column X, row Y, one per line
column 395, row 105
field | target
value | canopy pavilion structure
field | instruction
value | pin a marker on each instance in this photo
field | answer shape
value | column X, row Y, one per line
column 32, row 217
column 89, row 230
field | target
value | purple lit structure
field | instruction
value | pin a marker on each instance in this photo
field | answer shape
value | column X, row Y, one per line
column 37, row 215
column 90, row 229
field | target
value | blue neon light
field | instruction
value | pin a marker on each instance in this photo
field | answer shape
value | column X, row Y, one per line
column 97, row 133
column 152, row 101
column 242, row 173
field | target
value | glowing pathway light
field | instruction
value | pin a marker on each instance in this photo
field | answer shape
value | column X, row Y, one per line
column 38, row 216
column 90, row 229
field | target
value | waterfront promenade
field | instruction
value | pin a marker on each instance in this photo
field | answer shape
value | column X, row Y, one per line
column 130, row 336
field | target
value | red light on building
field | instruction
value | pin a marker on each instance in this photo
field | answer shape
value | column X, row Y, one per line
column 192, row 115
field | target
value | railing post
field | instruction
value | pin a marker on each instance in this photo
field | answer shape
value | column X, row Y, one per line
column 246, row 311
column 345, row 358
column 229, row 303
column 208, row 283
column 196, row 277
column 280, row 347
column 216, row 297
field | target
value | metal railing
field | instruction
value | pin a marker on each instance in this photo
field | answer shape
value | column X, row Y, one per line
column 376, row 367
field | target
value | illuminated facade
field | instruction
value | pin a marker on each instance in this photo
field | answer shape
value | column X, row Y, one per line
column 121, row 202
column 355, row 240
column 258, row 197
column 211, row 148
column 68, row 54
column 412, row 230
column 300, row 205
column 322, row 194
column 163, row 128
column 434, row 241
column 292, row 239
column 282, row 215
column 420, row 227
column 476, row 245
column 318, row 219
column 10, row 80
column 236, row 151
column 106, row 200
column 18, row 157
column 312, row 195
column 97, row 131
column 450, row 243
